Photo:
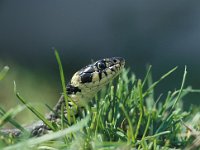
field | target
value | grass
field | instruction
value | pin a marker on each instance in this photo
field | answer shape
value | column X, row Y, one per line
column 124, row 115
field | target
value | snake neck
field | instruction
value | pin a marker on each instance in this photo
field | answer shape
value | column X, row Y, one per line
column 70, row 91
column 78, row 97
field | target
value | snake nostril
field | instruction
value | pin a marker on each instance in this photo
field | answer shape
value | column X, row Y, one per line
column 119, row 60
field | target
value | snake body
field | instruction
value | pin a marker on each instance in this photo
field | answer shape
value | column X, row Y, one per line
column 82, row 87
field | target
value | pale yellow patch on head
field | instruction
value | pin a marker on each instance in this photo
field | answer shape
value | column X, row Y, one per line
column 75, row 81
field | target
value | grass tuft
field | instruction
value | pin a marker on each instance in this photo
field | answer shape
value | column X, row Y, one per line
column 127, row 115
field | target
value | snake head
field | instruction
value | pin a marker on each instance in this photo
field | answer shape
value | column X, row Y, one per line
column 92, row 78
column 104, row 69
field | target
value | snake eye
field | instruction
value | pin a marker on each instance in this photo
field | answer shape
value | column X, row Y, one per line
column 115, row 60
column 101, row 65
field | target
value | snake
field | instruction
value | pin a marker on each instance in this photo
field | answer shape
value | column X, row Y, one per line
column 81, row 89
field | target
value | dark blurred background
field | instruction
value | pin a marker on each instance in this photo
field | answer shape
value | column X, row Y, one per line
column 162, row 33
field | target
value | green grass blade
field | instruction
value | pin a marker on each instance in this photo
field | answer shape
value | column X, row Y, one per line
column 156, row 83
column 3, row 72
column 131, row 134
column 181, row 89
column 63, row 85
column 31, row 108
column 147, row 75
column 141, row 109
column 10, row 114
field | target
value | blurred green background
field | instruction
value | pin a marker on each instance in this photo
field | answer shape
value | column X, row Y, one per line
column 162, row 33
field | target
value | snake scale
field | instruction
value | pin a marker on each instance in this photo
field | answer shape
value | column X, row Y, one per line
column 82, row 87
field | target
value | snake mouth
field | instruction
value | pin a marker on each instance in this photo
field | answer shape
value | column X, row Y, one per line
column 114, row 61
column 116, row 64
